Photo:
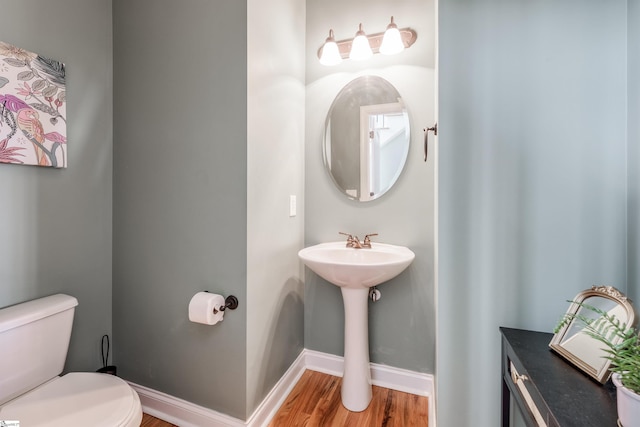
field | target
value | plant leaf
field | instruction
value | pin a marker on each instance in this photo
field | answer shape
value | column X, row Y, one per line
column 621, row 341
column 7, row 155
column 50, row 91
column 55, row 137
column 38, row 85
column 25, row 75
column 15, row 62
column 45, row 109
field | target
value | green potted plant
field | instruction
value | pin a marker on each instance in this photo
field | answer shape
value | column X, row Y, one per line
column 622, row 348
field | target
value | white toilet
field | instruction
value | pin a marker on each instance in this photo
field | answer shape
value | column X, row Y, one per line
column 34, row 339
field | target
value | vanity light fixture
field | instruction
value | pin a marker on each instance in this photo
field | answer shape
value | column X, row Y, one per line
column 363, row 46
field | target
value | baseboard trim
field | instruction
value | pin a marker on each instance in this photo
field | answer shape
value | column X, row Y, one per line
column 180, row 412
column 187, row 414
column 278, row 394
column 381, row 375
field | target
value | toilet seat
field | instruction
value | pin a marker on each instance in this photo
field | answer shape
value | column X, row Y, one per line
column 77, row 399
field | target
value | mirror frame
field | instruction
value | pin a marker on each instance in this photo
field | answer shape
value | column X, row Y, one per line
column 608, row 292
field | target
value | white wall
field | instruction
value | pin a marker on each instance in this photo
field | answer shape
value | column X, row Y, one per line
column 275, row 169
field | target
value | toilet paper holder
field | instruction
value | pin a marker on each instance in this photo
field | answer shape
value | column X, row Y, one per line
column 230, row 302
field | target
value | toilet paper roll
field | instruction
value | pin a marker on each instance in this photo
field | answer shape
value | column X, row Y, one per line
column 204, row 308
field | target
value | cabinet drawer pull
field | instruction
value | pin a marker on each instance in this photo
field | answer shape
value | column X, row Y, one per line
column 519, row 380
column 515, row 376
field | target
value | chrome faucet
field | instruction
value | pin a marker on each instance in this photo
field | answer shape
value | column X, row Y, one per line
column 354, row 241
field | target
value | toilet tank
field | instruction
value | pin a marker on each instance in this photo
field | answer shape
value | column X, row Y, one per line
column 34, row 339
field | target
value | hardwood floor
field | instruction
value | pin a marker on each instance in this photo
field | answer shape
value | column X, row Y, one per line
column 315, row 402
column 149, row 421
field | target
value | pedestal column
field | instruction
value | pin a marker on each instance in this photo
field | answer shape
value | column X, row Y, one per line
column 356, row 380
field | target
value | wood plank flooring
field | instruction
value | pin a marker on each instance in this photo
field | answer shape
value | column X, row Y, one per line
column 149, row 421
column 315, row 402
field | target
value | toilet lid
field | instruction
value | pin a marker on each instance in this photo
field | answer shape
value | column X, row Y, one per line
column 77, row 399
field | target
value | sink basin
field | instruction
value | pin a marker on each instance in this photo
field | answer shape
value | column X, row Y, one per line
column 355, row 271
column 356, row 268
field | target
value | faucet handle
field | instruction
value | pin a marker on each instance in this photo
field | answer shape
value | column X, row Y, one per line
column 367, row 240
column 350, row 241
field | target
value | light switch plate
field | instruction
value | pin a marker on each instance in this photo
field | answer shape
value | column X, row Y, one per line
column 292, row 205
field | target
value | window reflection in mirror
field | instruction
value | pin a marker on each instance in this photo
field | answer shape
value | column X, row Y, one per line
column 366, row 138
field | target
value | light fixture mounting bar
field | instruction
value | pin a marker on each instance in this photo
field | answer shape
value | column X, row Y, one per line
column 408, row 35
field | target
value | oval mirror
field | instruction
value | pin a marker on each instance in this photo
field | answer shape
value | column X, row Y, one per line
column 366, row 138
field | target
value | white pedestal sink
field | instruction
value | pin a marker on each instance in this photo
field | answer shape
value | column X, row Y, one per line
column 355, row 271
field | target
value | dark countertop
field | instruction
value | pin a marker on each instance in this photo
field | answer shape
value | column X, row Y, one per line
column 573, row 398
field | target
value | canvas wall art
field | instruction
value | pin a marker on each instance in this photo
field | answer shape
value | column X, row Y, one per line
column 33, row 121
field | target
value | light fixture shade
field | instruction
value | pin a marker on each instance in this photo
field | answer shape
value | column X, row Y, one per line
column 330, row 52
column 360, row 48
column 392, row 41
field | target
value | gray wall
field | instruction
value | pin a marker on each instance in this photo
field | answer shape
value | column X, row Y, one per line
column 180, row 195
column 401, row 326
column 57, row 223
column 532, row 179
column 532, row 187
column 633, row 131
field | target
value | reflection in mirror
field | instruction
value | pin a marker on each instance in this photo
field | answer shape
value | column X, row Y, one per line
column 366, row 138
column 579, row 343
column 574, row 344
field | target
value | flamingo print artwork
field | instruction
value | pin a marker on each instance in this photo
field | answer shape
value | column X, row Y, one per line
column 32, row 109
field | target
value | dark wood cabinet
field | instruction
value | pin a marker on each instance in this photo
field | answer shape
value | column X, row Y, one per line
column 547, row 389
